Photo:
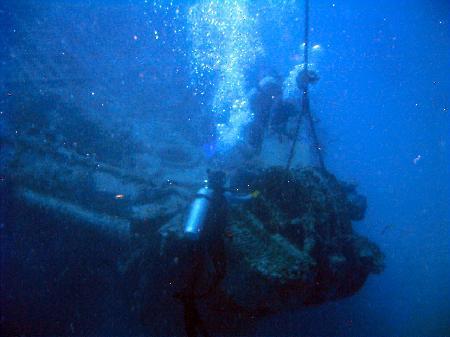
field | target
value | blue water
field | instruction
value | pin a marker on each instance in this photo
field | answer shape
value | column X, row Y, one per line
column 382, row 101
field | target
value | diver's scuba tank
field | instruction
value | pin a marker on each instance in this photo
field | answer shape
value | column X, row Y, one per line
column 197, row 214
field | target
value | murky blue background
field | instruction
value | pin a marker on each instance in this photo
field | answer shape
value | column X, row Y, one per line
column 382, row 102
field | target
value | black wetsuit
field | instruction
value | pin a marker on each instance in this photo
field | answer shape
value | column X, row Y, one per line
column 210, row 246
column 280, row 114
column 261, row 105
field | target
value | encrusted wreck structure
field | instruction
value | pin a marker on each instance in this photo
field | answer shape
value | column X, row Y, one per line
column 291, row 247
column 93, row 206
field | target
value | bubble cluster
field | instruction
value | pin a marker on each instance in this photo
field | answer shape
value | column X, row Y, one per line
column 225, row 43
column 291, row 92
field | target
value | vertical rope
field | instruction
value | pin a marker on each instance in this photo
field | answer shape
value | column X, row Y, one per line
column 305, row 101
column 306, row 38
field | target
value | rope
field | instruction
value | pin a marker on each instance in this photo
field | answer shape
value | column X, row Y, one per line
column 305, row 101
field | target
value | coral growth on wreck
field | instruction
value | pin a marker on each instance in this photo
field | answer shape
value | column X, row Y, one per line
column 291, row 247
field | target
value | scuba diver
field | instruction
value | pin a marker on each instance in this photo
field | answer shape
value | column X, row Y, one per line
column 262, row 100
column 288, row 105
column 204, row 230
column 281, row 113
column 273, row 104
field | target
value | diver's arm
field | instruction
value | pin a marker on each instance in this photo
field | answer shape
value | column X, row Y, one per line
column 233, row 198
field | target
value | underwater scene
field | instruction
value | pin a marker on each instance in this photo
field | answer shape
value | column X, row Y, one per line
column 224, row 168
